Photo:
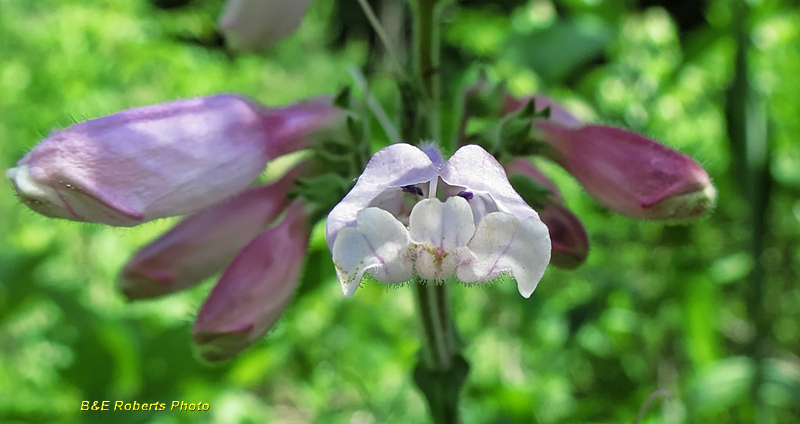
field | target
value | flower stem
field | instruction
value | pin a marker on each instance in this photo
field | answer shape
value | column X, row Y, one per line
column 435, row 315
column 441, row 371
column 381, row 33
column 427, row 60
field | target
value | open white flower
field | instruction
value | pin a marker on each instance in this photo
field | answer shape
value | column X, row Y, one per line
column 392, row 226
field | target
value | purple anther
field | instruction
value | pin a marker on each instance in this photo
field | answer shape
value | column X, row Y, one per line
column 466, row 194
column 412, row 189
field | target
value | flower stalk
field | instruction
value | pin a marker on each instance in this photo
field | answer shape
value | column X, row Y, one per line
column 439, row 385
column 427, row 60
column 434, row 309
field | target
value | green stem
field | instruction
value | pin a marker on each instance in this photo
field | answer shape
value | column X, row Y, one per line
column 749, row 136
column 427, row 61
column 441, row 372
column 435, row 316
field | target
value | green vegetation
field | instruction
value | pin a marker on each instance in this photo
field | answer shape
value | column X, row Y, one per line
column 707, row 311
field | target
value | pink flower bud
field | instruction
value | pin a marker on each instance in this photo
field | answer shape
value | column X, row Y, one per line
column 629, row 173
column 161, row 160
column 569, row 238
column 204, row 243
column 252, row 25
column 254, row 290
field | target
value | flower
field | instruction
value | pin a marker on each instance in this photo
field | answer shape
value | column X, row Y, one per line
column 481, row 231
column 163, row 160
column 254, row 290
column 626, row 172
column 252, row 25
column 569, row 238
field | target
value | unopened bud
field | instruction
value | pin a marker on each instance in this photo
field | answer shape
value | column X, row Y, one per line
column 162, row 160
column 252, row 25
column 629, row 173
column 569, row 238
column 254, row 290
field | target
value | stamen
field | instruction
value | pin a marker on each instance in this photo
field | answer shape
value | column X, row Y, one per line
column 433, row 186
column 466, row 194
column 412, row 189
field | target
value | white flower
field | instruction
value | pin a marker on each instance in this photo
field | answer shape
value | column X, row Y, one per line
column 481, row 231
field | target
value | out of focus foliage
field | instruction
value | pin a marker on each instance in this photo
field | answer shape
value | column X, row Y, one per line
column 654, row 307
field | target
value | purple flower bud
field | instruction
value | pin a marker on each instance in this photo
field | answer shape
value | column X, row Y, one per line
column 629, row 173
column 162, row 160
column 204, row 243
column 252, row 25
column 254, row 290
column 570, row 241
column 567, row 233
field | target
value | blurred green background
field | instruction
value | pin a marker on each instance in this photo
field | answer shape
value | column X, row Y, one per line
column 709, row 312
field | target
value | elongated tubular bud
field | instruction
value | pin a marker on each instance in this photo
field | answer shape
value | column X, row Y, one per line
column 254, row 290
column 630, row 173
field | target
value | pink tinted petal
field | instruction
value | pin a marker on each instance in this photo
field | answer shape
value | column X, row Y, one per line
column 392, row 167
column 204, row 243
column 254, row 290
column 630, row 173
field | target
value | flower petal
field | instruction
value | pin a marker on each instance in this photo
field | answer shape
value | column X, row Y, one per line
column 379, row 244
column 504, row 244
column 440, row 229
column 475, row 169
column 395, row 166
